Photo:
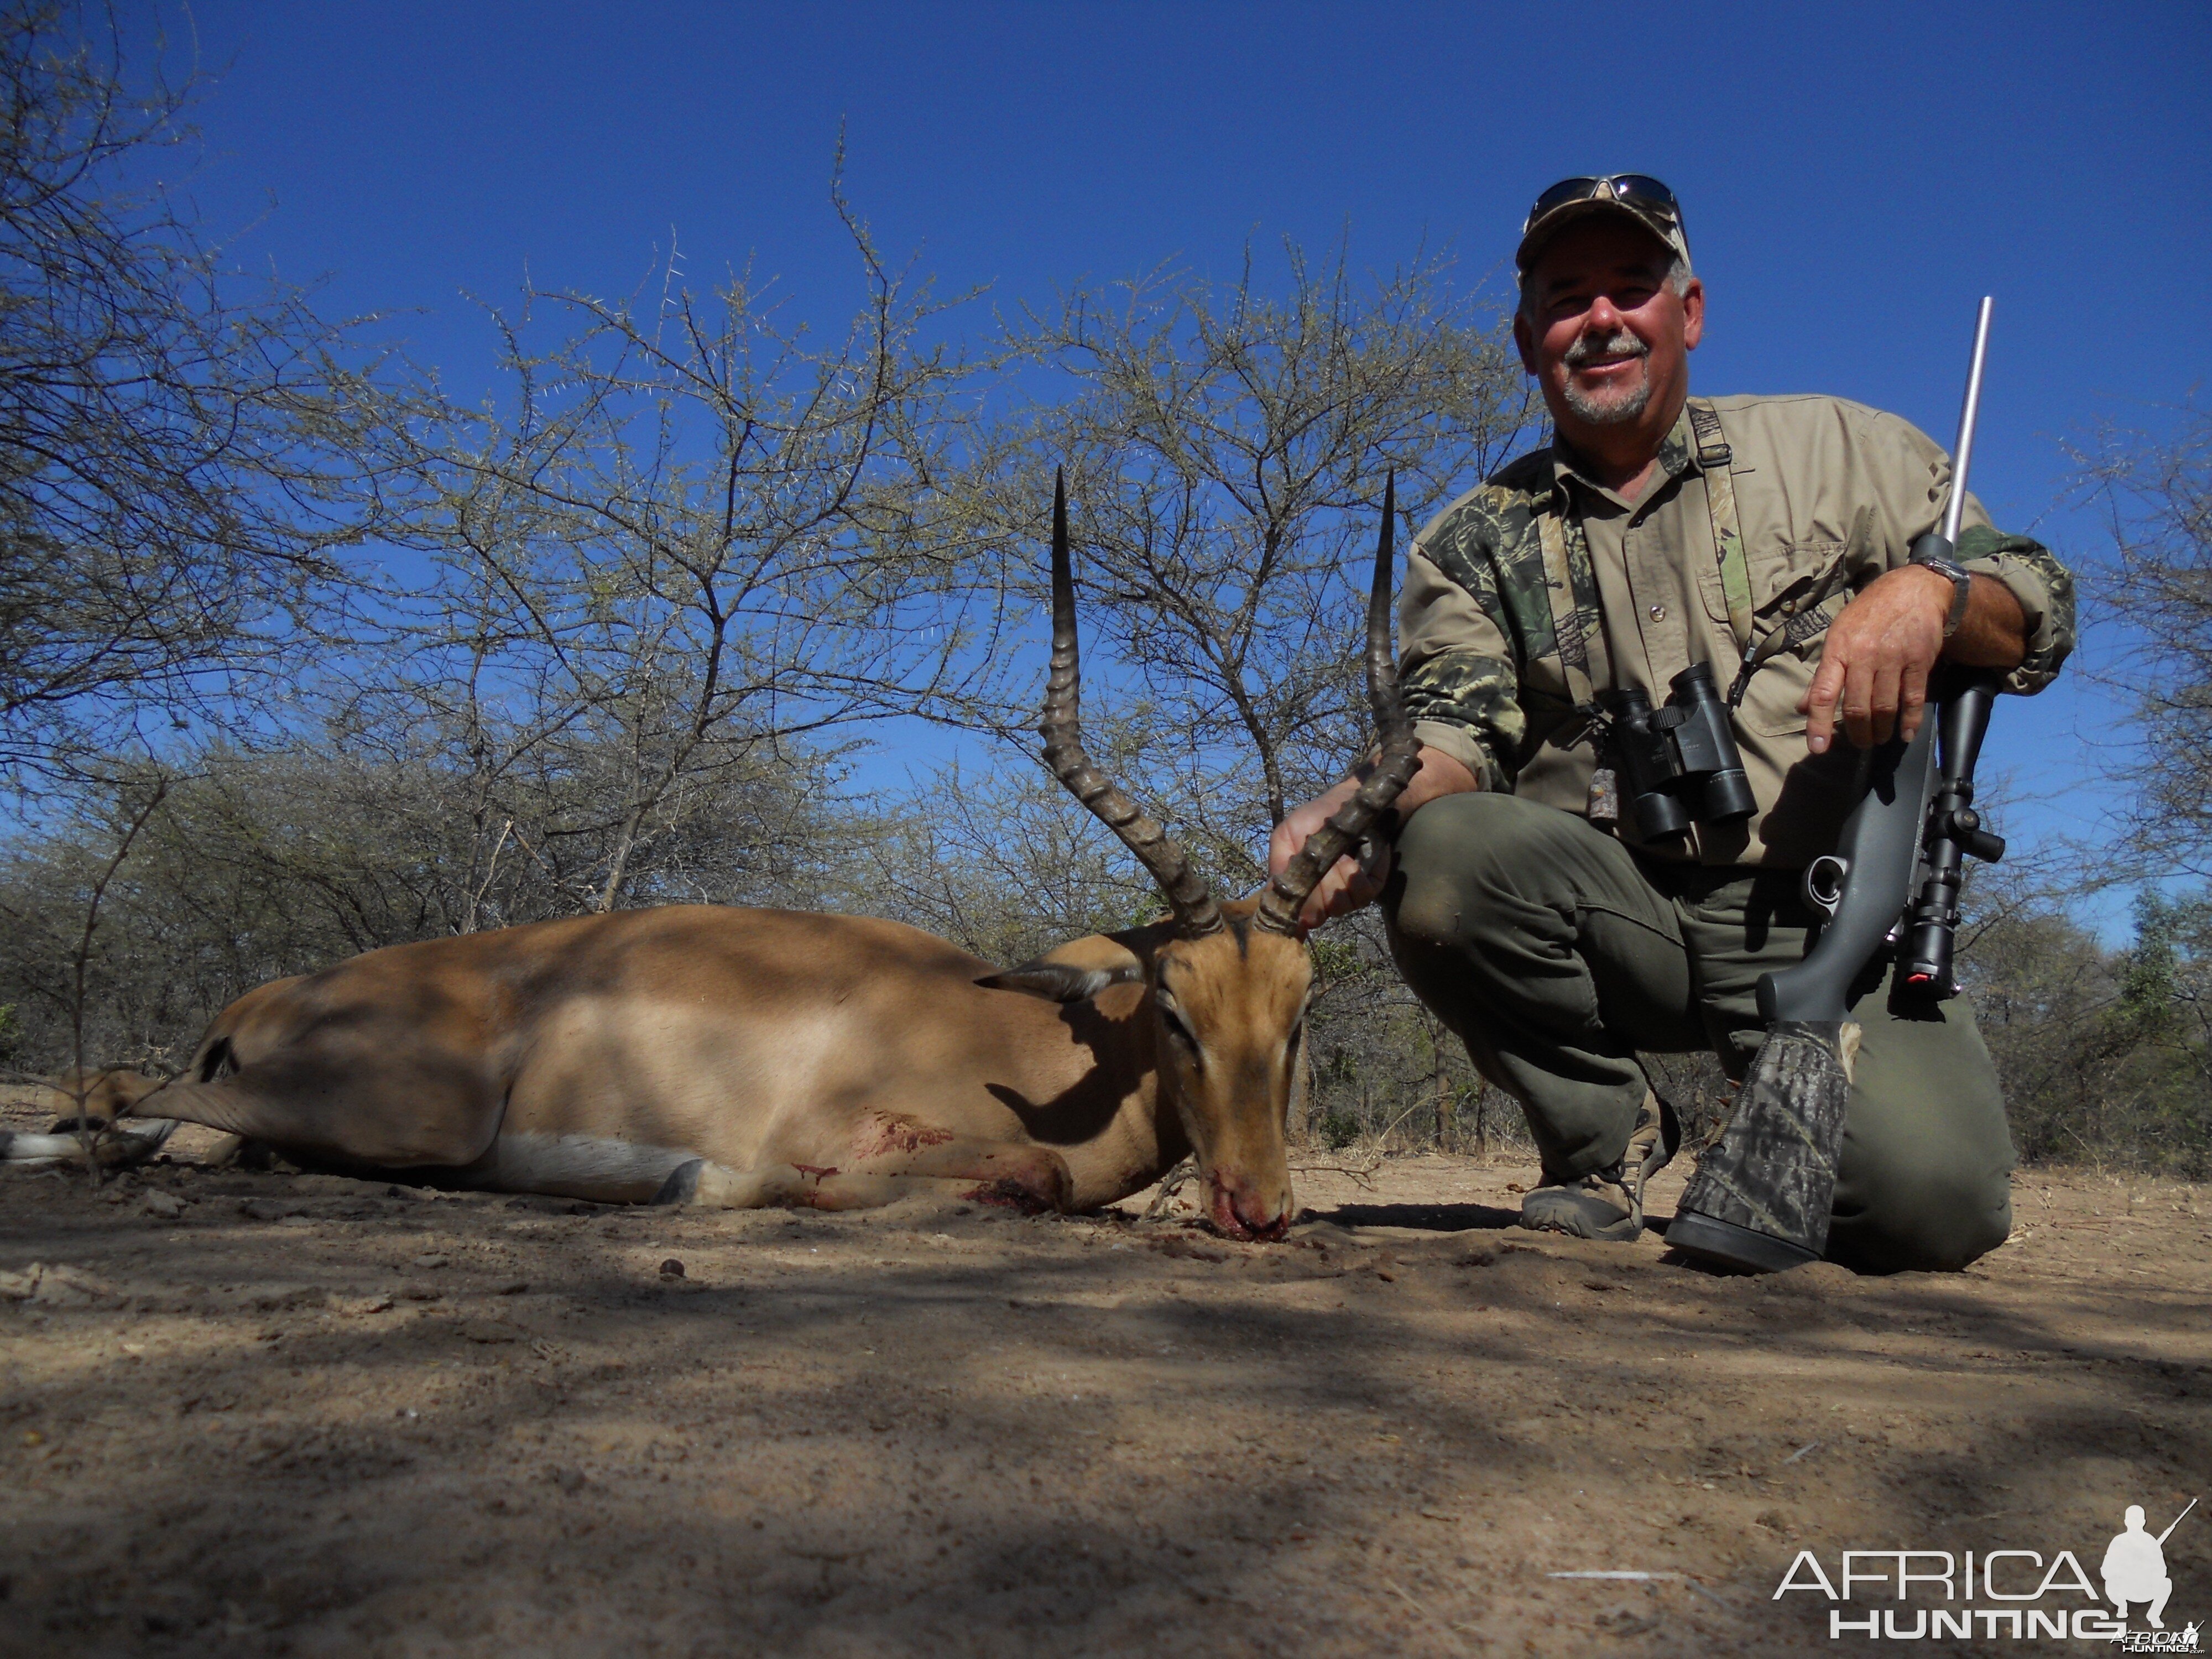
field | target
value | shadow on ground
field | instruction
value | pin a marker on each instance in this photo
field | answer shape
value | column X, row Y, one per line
column 317, row 1416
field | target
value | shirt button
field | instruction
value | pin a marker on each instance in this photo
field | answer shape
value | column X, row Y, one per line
column 1658, row 613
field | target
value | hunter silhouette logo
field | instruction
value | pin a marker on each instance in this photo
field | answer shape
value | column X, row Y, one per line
column 2135, row 1567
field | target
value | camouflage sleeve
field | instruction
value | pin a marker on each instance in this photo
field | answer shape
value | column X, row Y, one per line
column 1454, row 662
column 1910, row 498
column 2044, row 587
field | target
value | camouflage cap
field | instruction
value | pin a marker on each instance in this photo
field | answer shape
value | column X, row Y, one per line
column 1638, row 196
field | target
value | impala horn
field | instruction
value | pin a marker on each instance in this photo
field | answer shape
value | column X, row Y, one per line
column 1393, row 768
column 1062, row 731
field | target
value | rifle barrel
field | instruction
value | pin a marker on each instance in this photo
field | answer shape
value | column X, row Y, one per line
column 1962, row 454
column 2176, row 1522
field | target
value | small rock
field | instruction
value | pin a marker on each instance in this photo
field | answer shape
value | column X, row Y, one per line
column 568, row 1479
column 162, row 1206
column 433, row 1260
column 514, row 1287
column 365, row 1304
column 422, row 1292
column 62, row 1286
column 22, row 1287
column 268, row 1209
column 672, row 1268
column 490, row 1330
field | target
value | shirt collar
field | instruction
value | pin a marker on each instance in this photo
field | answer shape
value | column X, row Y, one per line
column 1677, row 453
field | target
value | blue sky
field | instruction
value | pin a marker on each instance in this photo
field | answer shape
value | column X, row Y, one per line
column 1854, row 177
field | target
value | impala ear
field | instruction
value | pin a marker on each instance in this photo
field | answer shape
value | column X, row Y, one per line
column 1073, row 972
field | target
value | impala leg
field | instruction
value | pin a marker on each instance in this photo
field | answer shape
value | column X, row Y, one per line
column 430, row 1118
column 1027, row 1177
column 794, row 1187
column 112, row 1148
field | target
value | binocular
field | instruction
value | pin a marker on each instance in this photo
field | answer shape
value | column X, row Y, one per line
column 1678, row 762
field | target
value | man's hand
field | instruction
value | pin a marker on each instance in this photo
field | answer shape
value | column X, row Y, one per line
column 1344, row 887
column 1349, row 884
column 1881, row 649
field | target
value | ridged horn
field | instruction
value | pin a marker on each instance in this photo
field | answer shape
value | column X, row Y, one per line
column 1062, row 730
column 1394, row 769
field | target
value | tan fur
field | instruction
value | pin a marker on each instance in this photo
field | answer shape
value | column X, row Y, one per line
column 806, row 1058
column 102, row 1093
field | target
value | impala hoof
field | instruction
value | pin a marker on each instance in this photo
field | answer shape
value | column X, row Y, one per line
column 681, row 1186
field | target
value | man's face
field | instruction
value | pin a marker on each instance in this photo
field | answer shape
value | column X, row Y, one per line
column 1602, row 332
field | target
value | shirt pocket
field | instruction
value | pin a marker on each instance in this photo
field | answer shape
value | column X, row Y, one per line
column 1784, row 577
column 1794, row 596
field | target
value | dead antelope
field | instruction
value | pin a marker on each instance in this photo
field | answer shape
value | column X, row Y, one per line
column 734, row 1057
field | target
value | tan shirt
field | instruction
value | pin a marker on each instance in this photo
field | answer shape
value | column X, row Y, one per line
column 1829, row 495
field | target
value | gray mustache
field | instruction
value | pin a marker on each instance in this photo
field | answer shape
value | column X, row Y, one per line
column 1623, row 343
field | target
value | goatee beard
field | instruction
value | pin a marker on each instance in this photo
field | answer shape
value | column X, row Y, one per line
column 1615, row 409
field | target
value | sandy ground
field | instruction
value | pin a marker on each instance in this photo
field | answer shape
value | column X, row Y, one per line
column 312, row 1416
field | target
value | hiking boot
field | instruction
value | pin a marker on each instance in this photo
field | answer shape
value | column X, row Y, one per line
column 1596, row 1206
column 1608, row 1204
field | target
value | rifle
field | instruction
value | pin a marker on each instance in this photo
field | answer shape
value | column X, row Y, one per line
column 1760, row 1199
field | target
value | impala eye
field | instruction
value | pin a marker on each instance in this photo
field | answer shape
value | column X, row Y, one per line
column 1175, row 1022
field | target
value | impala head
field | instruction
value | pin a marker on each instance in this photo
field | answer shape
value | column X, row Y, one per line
column 1227, row 983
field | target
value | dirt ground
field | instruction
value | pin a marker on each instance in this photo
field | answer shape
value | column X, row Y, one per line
column 248, row 1414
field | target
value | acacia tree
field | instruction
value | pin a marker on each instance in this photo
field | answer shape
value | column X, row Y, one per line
column 1227, row 444
column 180, row 460
column 691, row 542
column 2155, row 585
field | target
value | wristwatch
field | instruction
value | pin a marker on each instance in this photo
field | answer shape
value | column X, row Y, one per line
column 1962, row 589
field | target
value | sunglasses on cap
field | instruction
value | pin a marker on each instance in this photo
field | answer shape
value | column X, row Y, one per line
column 1639, row 191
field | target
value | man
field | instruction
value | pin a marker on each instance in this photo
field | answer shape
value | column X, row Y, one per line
column 1521, row 907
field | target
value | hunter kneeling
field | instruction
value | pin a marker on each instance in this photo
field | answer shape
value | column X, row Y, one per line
column 1768, row 538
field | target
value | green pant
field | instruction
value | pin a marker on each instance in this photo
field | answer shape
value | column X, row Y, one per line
column 1556, row 954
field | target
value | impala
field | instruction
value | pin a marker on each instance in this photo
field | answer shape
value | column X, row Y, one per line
column 731, row 1057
